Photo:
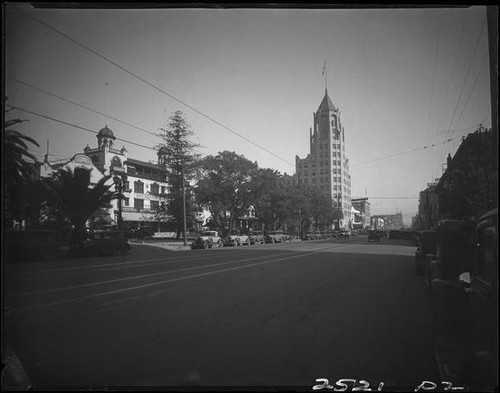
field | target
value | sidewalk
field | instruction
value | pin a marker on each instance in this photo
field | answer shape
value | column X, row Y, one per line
column 168, row 245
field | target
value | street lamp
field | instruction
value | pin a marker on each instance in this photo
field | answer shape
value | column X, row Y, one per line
column 120, row 188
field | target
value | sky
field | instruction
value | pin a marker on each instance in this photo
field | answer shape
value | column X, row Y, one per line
column 410, row 83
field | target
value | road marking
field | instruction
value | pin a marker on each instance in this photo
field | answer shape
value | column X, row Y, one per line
column 137, row 277
column 177, row 258
column 175, row 279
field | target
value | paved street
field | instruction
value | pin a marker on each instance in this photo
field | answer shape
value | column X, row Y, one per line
column 265, row 315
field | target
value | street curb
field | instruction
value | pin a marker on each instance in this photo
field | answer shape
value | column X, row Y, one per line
column 166, row 246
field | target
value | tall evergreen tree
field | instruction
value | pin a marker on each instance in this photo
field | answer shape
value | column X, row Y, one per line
column 177, row 156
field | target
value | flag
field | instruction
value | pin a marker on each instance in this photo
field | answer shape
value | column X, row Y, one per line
column 324, row 69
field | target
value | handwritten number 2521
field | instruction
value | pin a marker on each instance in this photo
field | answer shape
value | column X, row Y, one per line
column 342, row 385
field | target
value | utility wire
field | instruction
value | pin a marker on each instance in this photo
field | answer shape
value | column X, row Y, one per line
column 74, row 125
column 404, row 152
column 467, row 75
column 79, row 105
column 89, row 109
column 153, row 86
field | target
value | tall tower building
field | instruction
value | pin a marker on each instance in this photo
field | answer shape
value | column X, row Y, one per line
column 326, row 166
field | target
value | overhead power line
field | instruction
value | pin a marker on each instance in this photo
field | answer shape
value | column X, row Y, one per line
column 75, row 125
column 153, row 86
column 79, row 105
column 404, row 152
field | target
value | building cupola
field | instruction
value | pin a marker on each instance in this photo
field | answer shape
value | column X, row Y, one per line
column 105, row 138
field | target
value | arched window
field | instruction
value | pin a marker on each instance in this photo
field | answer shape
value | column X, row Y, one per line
column 155, row 188
column 116, row 162
column 139, row 187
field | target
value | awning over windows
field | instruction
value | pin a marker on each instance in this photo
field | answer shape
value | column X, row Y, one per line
column 137, row 216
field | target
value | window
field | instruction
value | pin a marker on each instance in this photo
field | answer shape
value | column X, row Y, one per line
column 139, row 187
column 127, row 201
column 116, row 162
column 154, row 205
column 138, row 204
column 155, row 188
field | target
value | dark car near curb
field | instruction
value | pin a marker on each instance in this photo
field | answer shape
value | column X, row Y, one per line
column 275, row 237
column 103, row 242
column 374, row 236
column 427, row 244
column 256, row 237
column 465, row 314
column 207, row 239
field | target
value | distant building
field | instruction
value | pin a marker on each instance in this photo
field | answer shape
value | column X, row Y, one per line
column 362, row 218
column 145, row 182
column 326, row 166
column 428, row 208
column 387, row 221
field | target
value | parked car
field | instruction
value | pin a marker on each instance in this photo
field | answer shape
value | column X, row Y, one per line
column 455, row 247
column 256, row 237
column 343, row 234
column 207, row 239
column 426, row 245
column 31, row 245
column 374, row 236
column 465, row 315
column 103, row 242
column 244, row 240
column 232, row 241
column 141, row 233
column 275, row 237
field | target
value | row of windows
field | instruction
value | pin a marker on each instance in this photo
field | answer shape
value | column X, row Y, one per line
column 139, row 204
column 154, row 188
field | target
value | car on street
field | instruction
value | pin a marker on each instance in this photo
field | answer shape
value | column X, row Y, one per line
column 232, row 241
column 275, row 237
column 32, row 245
column 207, row 239
column 244, row 240
column 465, row 314
column 256, row 237
column 427, row 244
column 104, row 242
column 374, row 236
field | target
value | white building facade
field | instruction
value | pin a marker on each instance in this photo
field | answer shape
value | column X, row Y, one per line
column 145, row 186
column 327, row 166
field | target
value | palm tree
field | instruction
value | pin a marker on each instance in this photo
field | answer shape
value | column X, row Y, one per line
column 15, row 151
column 70, row 191
column 17, row 172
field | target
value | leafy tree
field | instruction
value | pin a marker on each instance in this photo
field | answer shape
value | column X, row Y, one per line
column 70, row 192
column 176, row 155
column 224, row 188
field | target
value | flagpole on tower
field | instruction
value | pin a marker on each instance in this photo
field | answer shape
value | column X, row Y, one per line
column 325, row 74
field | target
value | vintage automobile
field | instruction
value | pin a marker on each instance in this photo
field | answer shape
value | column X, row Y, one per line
column 232, row 241
column 207, row 239
column 243, row 240
column 141, row 233
column 31, row 245
column 275, row 237
column 106, row 242
column 465, row 315
column 256, row 237
column 374, row 236
column 426, row 245
column 455, row 247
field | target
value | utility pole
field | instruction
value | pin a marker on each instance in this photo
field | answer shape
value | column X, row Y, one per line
column 184, row 206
